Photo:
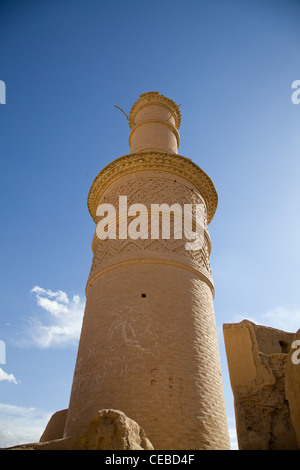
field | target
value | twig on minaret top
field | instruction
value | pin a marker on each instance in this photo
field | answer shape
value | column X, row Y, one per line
column 128, row 119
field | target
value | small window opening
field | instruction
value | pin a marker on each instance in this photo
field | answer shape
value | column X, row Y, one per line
column 143, row 295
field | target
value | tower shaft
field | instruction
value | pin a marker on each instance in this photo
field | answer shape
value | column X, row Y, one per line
column 148, row 344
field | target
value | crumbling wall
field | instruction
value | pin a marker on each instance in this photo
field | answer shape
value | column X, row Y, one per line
column 292, row 383
column 257, row 359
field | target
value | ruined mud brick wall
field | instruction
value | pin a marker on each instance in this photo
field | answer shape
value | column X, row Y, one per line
column 258, row 358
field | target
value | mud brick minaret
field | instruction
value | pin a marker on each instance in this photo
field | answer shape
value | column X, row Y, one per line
column 148, row 344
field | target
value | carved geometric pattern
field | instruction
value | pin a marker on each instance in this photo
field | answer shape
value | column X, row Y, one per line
column 147, row 191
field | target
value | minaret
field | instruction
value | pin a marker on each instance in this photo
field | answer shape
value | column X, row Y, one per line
column 148, row 344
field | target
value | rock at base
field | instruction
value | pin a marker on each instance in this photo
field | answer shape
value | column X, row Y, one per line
column 108, row 430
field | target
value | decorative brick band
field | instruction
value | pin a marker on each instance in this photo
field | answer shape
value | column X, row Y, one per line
column 175, row 164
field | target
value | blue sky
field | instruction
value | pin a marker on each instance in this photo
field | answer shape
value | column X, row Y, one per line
column 65, row 64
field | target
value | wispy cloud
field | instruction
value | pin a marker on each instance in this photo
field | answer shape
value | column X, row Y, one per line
column 232, row 434
column 53, row 302
column 8, row 377
column 19, row 425
column 286, row 318
column 58, row 324
column 282, row 317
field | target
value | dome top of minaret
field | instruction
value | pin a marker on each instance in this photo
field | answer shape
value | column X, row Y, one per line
column 154, row 97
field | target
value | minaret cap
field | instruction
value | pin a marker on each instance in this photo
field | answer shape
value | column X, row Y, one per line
column 154, row 121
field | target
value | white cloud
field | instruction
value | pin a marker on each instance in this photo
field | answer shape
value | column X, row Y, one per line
column 9, row 377
column 286, row 318
column 51, row 306
column 233, row 439
column 20, row 425
column 232, row 433
column 59, row 295
column 282, row 317
column 58, row 324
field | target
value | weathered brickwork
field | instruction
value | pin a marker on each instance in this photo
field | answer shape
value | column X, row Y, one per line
column 155, row 357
